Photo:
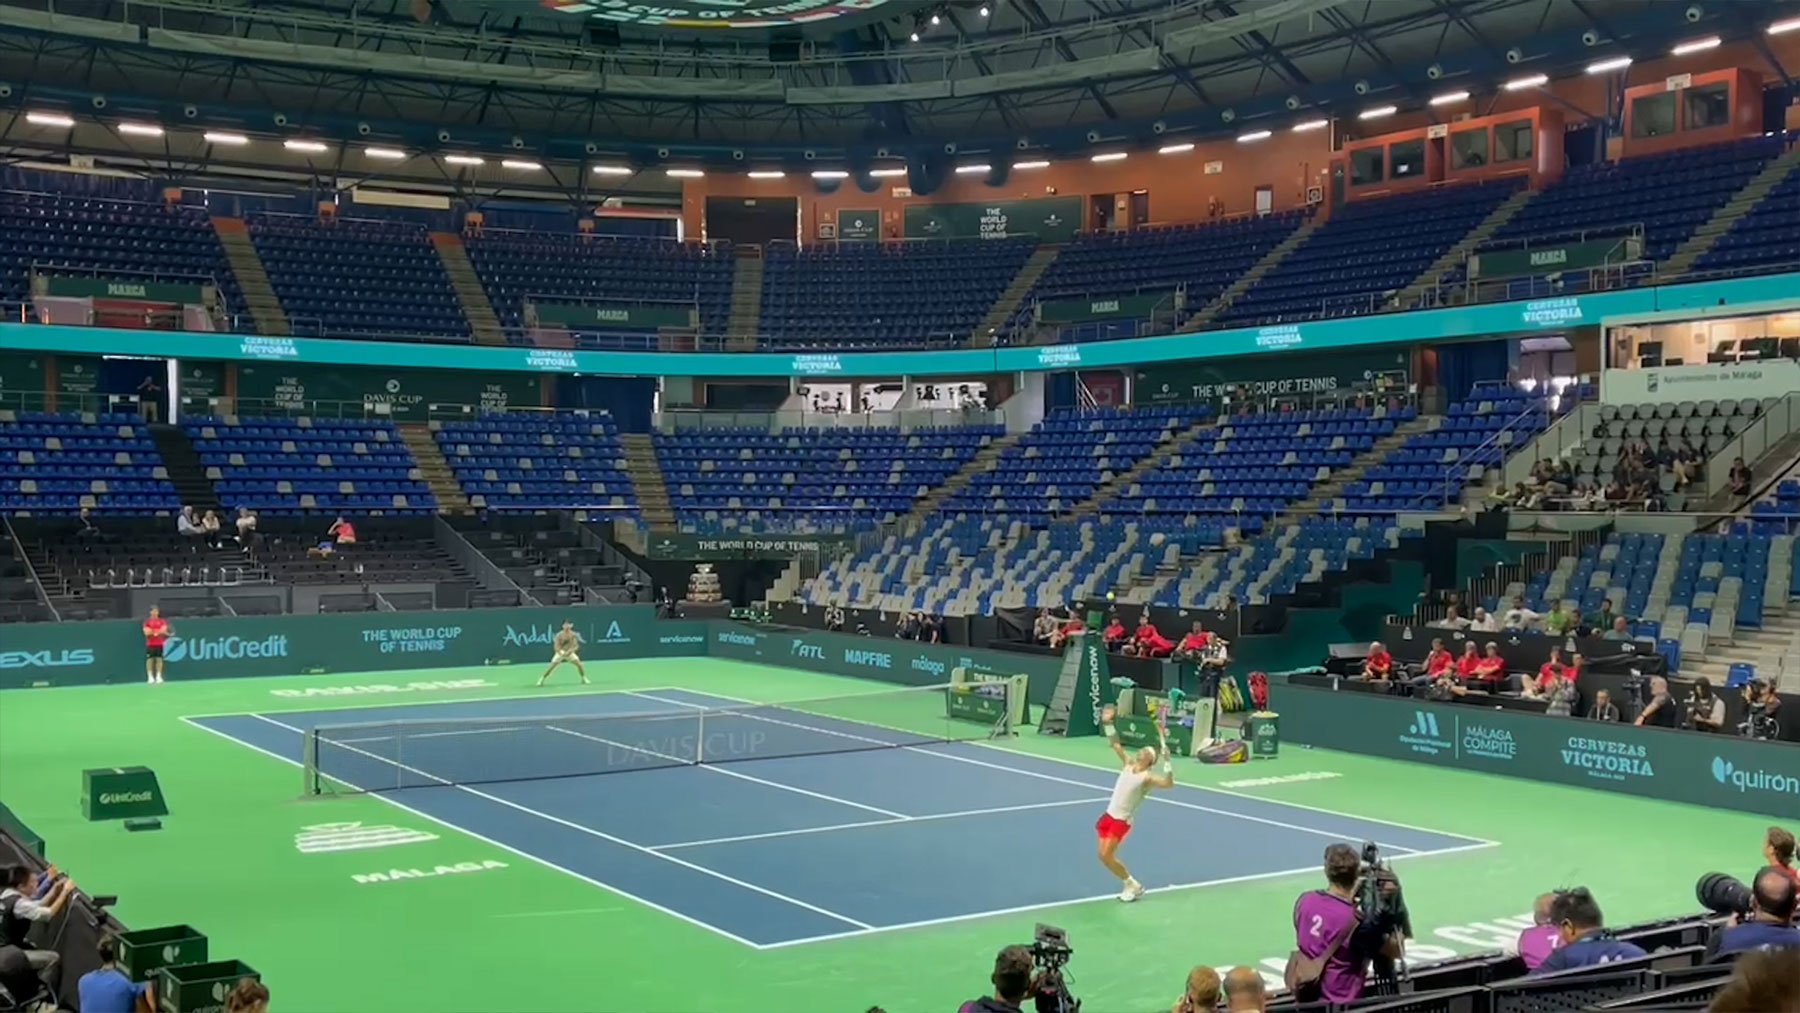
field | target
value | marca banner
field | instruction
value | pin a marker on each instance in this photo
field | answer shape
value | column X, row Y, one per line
column 858, row 226
column 408, row 396
column 53, row 654
column 1731, row 381
column 1270, row 376
column 898, row 661
column 126, row 291
column 1559, row 257
column 1670, row 766
column 1051, row 220
column 698, row 548
column 1117, row 307
column 641, row 316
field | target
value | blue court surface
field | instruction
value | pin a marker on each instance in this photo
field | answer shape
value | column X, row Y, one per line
column 795, row 840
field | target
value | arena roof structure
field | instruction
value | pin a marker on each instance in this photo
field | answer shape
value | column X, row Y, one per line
column 797, row 82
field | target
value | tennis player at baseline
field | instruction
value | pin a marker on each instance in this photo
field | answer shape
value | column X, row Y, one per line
column 565, row 650
column 1142, row 772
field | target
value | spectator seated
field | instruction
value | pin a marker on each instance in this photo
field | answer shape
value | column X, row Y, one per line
column 1366, row 253
column 1645, row 456
column 879, row 295
column 390, row 550
column 809, row 480
column 516, row 267
column 358, row 278
column 306, row 466
column 109, row 238
column 565, row 461
column 1431, row 469
column 57, row 464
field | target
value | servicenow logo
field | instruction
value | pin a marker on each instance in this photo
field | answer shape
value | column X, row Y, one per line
column 1726, row 772
column 224, row 648
column 740, row 639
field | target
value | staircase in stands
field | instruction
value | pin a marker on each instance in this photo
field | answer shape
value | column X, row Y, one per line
column 746, row 299
column 484, row 323
column 1269, row 262
column 186, row 473
column 646, row 476
column 1432, row 276
column 428, row 457
column 1124, row 480
column 1007, row 306
column 1713, row 229
column 1317, row 504
column 985, row 460
column 252, row 277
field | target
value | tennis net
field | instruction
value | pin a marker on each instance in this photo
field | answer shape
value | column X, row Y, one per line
column 392, row 755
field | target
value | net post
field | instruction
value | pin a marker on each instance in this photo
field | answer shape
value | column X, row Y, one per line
column 309, row 762
column 700, row 738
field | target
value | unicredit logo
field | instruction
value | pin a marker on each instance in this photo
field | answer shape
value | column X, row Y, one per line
column 225, row 648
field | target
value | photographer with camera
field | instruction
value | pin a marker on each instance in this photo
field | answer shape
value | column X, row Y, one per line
column 1760, row 704
column 1660, row 712
column 1341, row 930
column 1012, row 983
column 1705, row 709
column 1585, row 940
column 1768, row 925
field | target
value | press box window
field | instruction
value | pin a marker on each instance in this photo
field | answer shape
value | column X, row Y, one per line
column 1708, row 106
column 1653, row 115
column 1469, row 149
column 1407, row 159
column 1366, row 166
column 1512, row 142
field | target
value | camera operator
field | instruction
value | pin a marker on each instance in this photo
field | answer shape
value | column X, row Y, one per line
column 1760, row 704
column 1705, row 709
column 1769, row 925
column 1012, row 983
column 1585, row 940
column 1334, row 942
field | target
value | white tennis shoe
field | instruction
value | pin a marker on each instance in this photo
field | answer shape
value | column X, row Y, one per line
column 1133, row 890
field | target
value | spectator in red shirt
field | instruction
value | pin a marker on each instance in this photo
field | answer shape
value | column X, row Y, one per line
column 1466, row 662
column 1073, row 628
column 1193, row 646
column 1379, row 665
column 1148, row 643
column 1572, row 671
column 1490, row 671
column 1439, row 662
column 156, row 635
column 1115, row 634
column 1549, row 673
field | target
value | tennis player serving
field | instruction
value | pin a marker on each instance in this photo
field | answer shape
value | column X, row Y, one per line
column 1144, row 770
column 566, row 648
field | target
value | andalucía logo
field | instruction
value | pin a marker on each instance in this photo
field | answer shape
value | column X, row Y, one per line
column 1423, row 737
column 1607, row 759
column 615, row 634
column 1726, row 772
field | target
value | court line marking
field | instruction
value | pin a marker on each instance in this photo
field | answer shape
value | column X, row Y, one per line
column 1114, row 897
column 489, row 841
column 894, row 817
column 877, row 823
column 374, row 701
column 434, row 735
column 582, row 828
column 1210, row 789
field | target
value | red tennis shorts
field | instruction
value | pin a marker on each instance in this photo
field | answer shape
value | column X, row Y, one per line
column 1111, row 829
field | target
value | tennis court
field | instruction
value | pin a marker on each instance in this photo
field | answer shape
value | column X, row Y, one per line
column 801, row 822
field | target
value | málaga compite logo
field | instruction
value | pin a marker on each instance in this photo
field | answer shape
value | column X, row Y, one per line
column 1489, row 743
column 1423, row 737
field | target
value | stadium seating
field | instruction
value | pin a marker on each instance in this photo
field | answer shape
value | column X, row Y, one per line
column 518, row 266
column 556, row 462
column 1431, row 469
column 1369, row 250
column 1766, row 237
column 868, row 295
column 1669, row 195
column 1065, row 458
column 1205, row 258
column 304, row 466
column 56, row 464
column 110, row 238
column 1254, row 466
column 809, row 480
column 358, row 278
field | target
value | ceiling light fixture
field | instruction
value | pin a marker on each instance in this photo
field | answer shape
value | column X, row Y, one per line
column 766, row 174
column 1255, row 135
column 463, row 160
column 225, row 137
column 309, row 147
column 1605, row 66
column 1522, row 83
column 1303, row 127
column 1377, row 113
column 970, row 170
column 385, row 154
column 521, row 164
column 612, row 170
column 1175, row 149
column 141, row 129
column 1695, row 46
column 1036, row 163
column 1109, row 156
column 684, row 173
column 1450, row 98
column 50, row 119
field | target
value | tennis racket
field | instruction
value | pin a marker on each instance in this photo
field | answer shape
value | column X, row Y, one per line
column 1162, row 725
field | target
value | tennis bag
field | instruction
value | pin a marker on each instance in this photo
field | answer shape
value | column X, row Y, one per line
column 1234, row 751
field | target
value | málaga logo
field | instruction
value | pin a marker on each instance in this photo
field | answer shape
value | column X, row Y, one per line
column 1489, row 743
column 1423, row 736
